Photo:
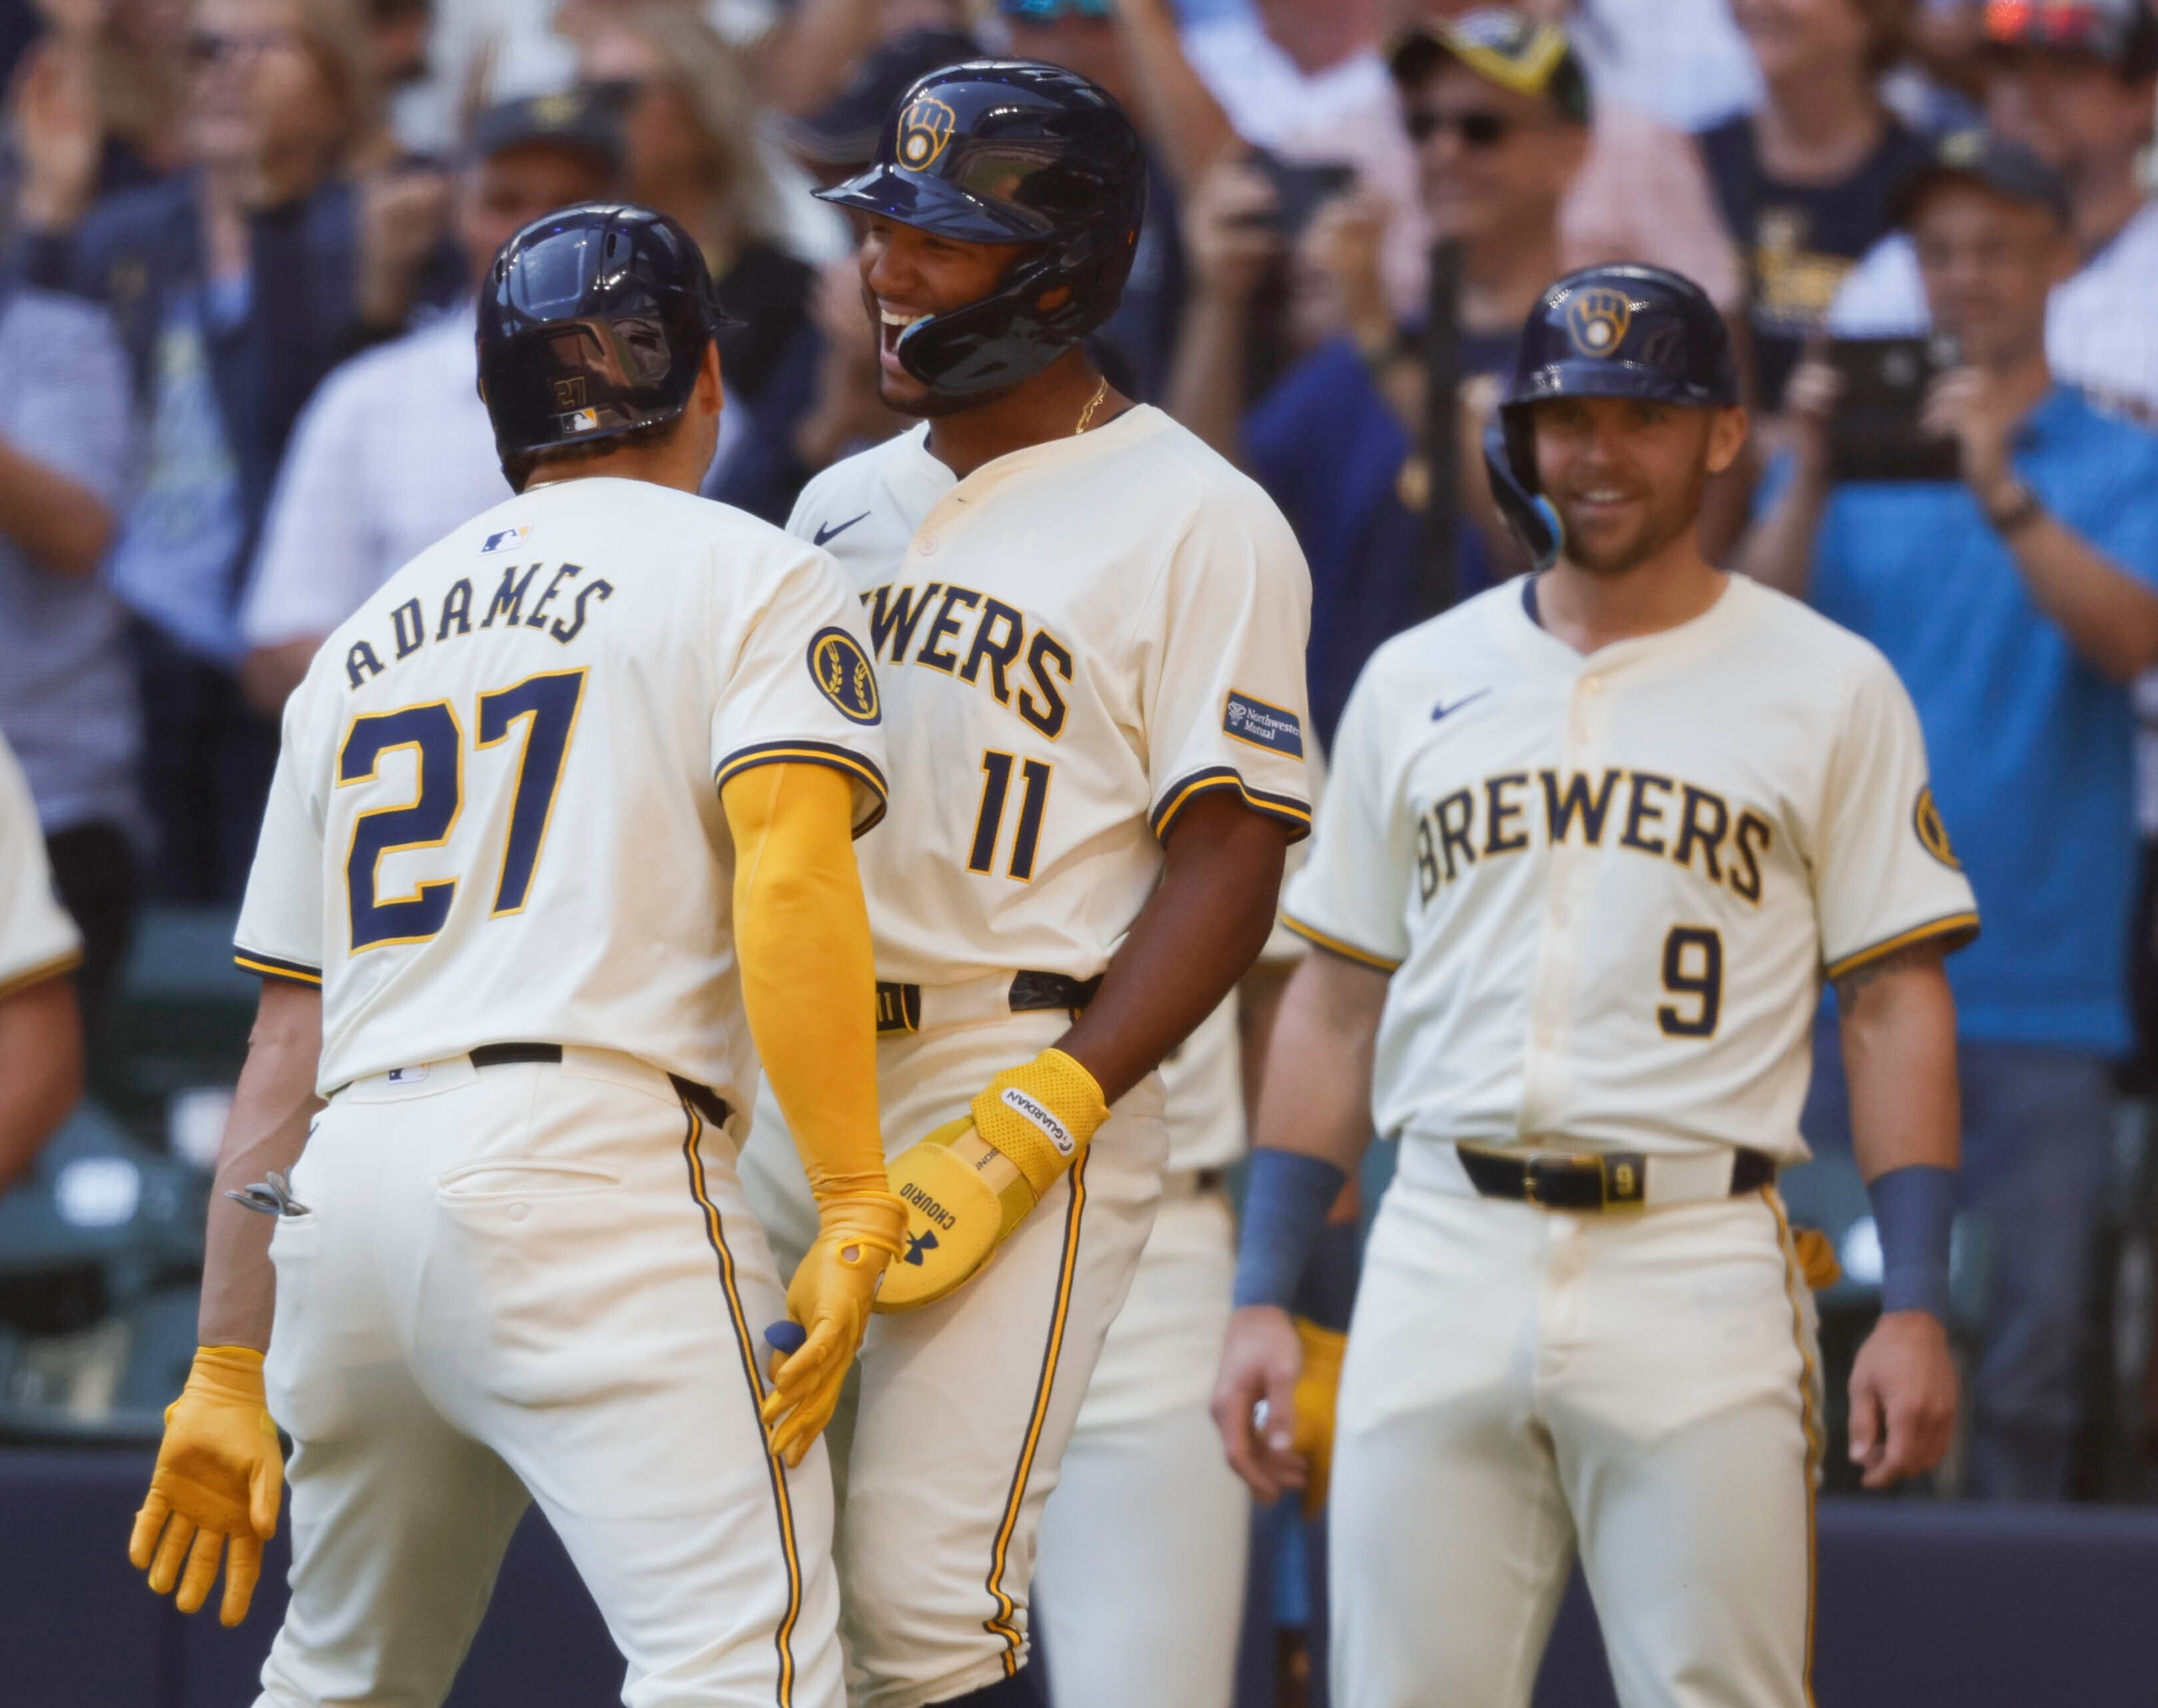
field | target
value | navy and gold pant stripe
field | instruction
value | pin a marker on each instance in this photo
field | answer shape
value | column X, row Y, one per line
column 783, row 1638
column 1793, row 1281
column 1001, row 1623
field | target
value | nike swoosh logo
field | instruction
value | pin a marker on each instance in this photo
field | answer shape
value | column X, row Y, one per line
column 1441, row 709
column 824, row 534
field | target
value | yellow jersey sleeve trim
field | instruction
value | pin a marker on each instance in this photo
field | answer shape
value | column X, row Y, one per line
column 1287, row 808
column 1961, row 927
column 270, row 967
column 1348, row 952
column 38, row 974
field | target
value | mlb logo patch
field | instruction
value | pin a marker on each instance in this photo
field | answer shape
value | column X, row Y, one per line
column 406, row 1075
column 1254, row 721
column 506, row 540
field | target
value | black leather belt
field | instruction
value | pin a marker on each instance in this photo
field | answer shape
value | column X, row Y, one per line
column 706, row 1101
column 1591, row 1180
column 898, row 1006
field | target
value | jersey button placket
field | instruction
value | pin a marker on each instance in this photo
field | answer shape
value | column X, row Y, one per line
column 1557, row 966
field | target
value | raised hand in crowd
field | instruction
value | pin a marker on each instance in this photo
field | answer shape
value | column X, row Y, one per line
column 1778, row 549
column 1972, row 407
column 1230, row 231
column 403, row 216
column 1342, row 246
column 60, row 133
column 1230, row 241
column 846, row 414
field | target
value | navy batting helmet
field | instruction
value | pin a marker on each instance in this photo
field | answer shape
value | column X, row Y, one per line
column 1010, row 152
column 1603, row 332
column 592, row 322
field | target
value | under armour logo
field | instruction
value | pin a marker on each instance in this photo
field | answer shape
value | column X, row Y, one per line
column 916, row 1244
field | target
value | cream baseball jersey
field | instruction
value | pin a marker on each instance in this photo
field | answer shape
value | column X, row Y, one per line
column 1608, row 887
column 1074, row 642
column 38, row 940
column 495, row 816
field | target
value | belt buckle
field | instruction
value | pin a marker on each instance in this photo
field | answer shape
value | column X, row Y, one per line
column 1532, row 1193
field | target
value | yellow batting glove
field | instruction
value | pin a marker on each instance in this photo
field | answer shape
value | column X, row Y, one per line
column 1317, row 1388
column 827, row 1309
column 971, row 1183
column 219, row 1478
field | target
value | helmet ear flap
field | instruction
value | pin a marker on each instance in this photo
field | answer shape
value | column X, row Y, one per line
column 1508, row 443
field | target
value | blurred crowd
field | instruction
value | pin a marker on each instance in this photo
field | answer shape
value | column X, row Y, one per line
column 241, row 238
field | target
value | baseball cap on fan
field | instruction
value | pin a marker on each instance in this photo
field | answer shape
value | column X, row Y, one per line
column 1502, row 46
column 2009, row 169
column 844, row 131
column 2120, row 33
column 571, row 119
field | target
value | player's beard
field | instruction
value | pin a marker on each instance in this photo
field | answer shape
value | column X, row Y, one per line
column 1660, row 524
column 929, row 403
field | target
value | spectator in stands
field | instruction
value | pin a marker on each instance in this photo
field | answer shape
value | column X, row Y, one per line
column 100, row 96
column 839, row 137
column 846, row 412
column 235, row 287
column 1502, row 122
column 394, row 451
column 1140, row 339
column 689, row 125
column 40, row 1031
column 813, row 46
column 1804, row 182
column 67, row 685
column 2016, row 604
column 2076, row 81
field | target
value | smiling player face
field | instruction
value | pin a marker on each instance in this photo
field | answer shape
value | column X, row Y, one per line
column 908, row 274
column 1627, row 475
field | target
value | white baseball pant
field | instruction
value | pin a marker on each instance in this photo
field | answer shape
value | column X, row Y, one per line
column 962, row 1409
column 1640, row 1386
column 1141, row 1569
column 536, row 1278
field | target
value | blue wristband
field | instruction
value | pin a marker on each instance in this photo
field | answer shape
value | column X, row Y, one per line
column 1285, row 1205
column 1913, row 1209
column 1327, row 1293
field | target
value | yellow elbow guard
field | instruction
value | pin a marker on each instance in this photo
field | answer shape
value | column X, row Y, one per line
column 971, row 1182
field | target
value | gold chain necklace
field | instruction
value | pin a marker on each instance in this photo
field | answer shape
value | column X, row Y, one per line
column 1094, row 403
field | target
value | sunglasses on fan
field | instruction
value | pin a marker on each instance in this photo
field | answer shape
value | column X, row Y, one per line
column 1476, row 130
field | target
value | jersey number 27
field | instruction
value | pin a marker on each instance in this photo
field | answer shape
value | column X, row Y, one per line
column 547, row 705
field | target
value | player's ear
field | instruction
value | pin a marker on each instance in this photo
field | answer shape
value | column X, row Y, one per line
column 1726, row 438
column 709, row 393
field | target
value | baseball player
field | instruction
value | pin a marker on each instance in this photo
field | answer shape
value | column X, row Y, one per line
column 531, row 957
column 1590, row 845
column 1089, row 633
column 40, row 1026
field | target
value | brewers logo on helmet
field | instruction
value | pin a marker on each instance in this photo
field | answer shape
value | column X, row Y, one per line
column 1596, row 320
column 924, row 128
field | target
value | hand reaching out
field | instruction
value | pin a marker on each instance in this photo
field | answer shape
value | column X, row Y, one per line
column 60, row 132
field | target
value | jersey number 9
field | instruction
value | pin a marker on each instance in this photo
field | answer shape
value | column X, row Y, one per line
column 1693, row 969
column 547, row 705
